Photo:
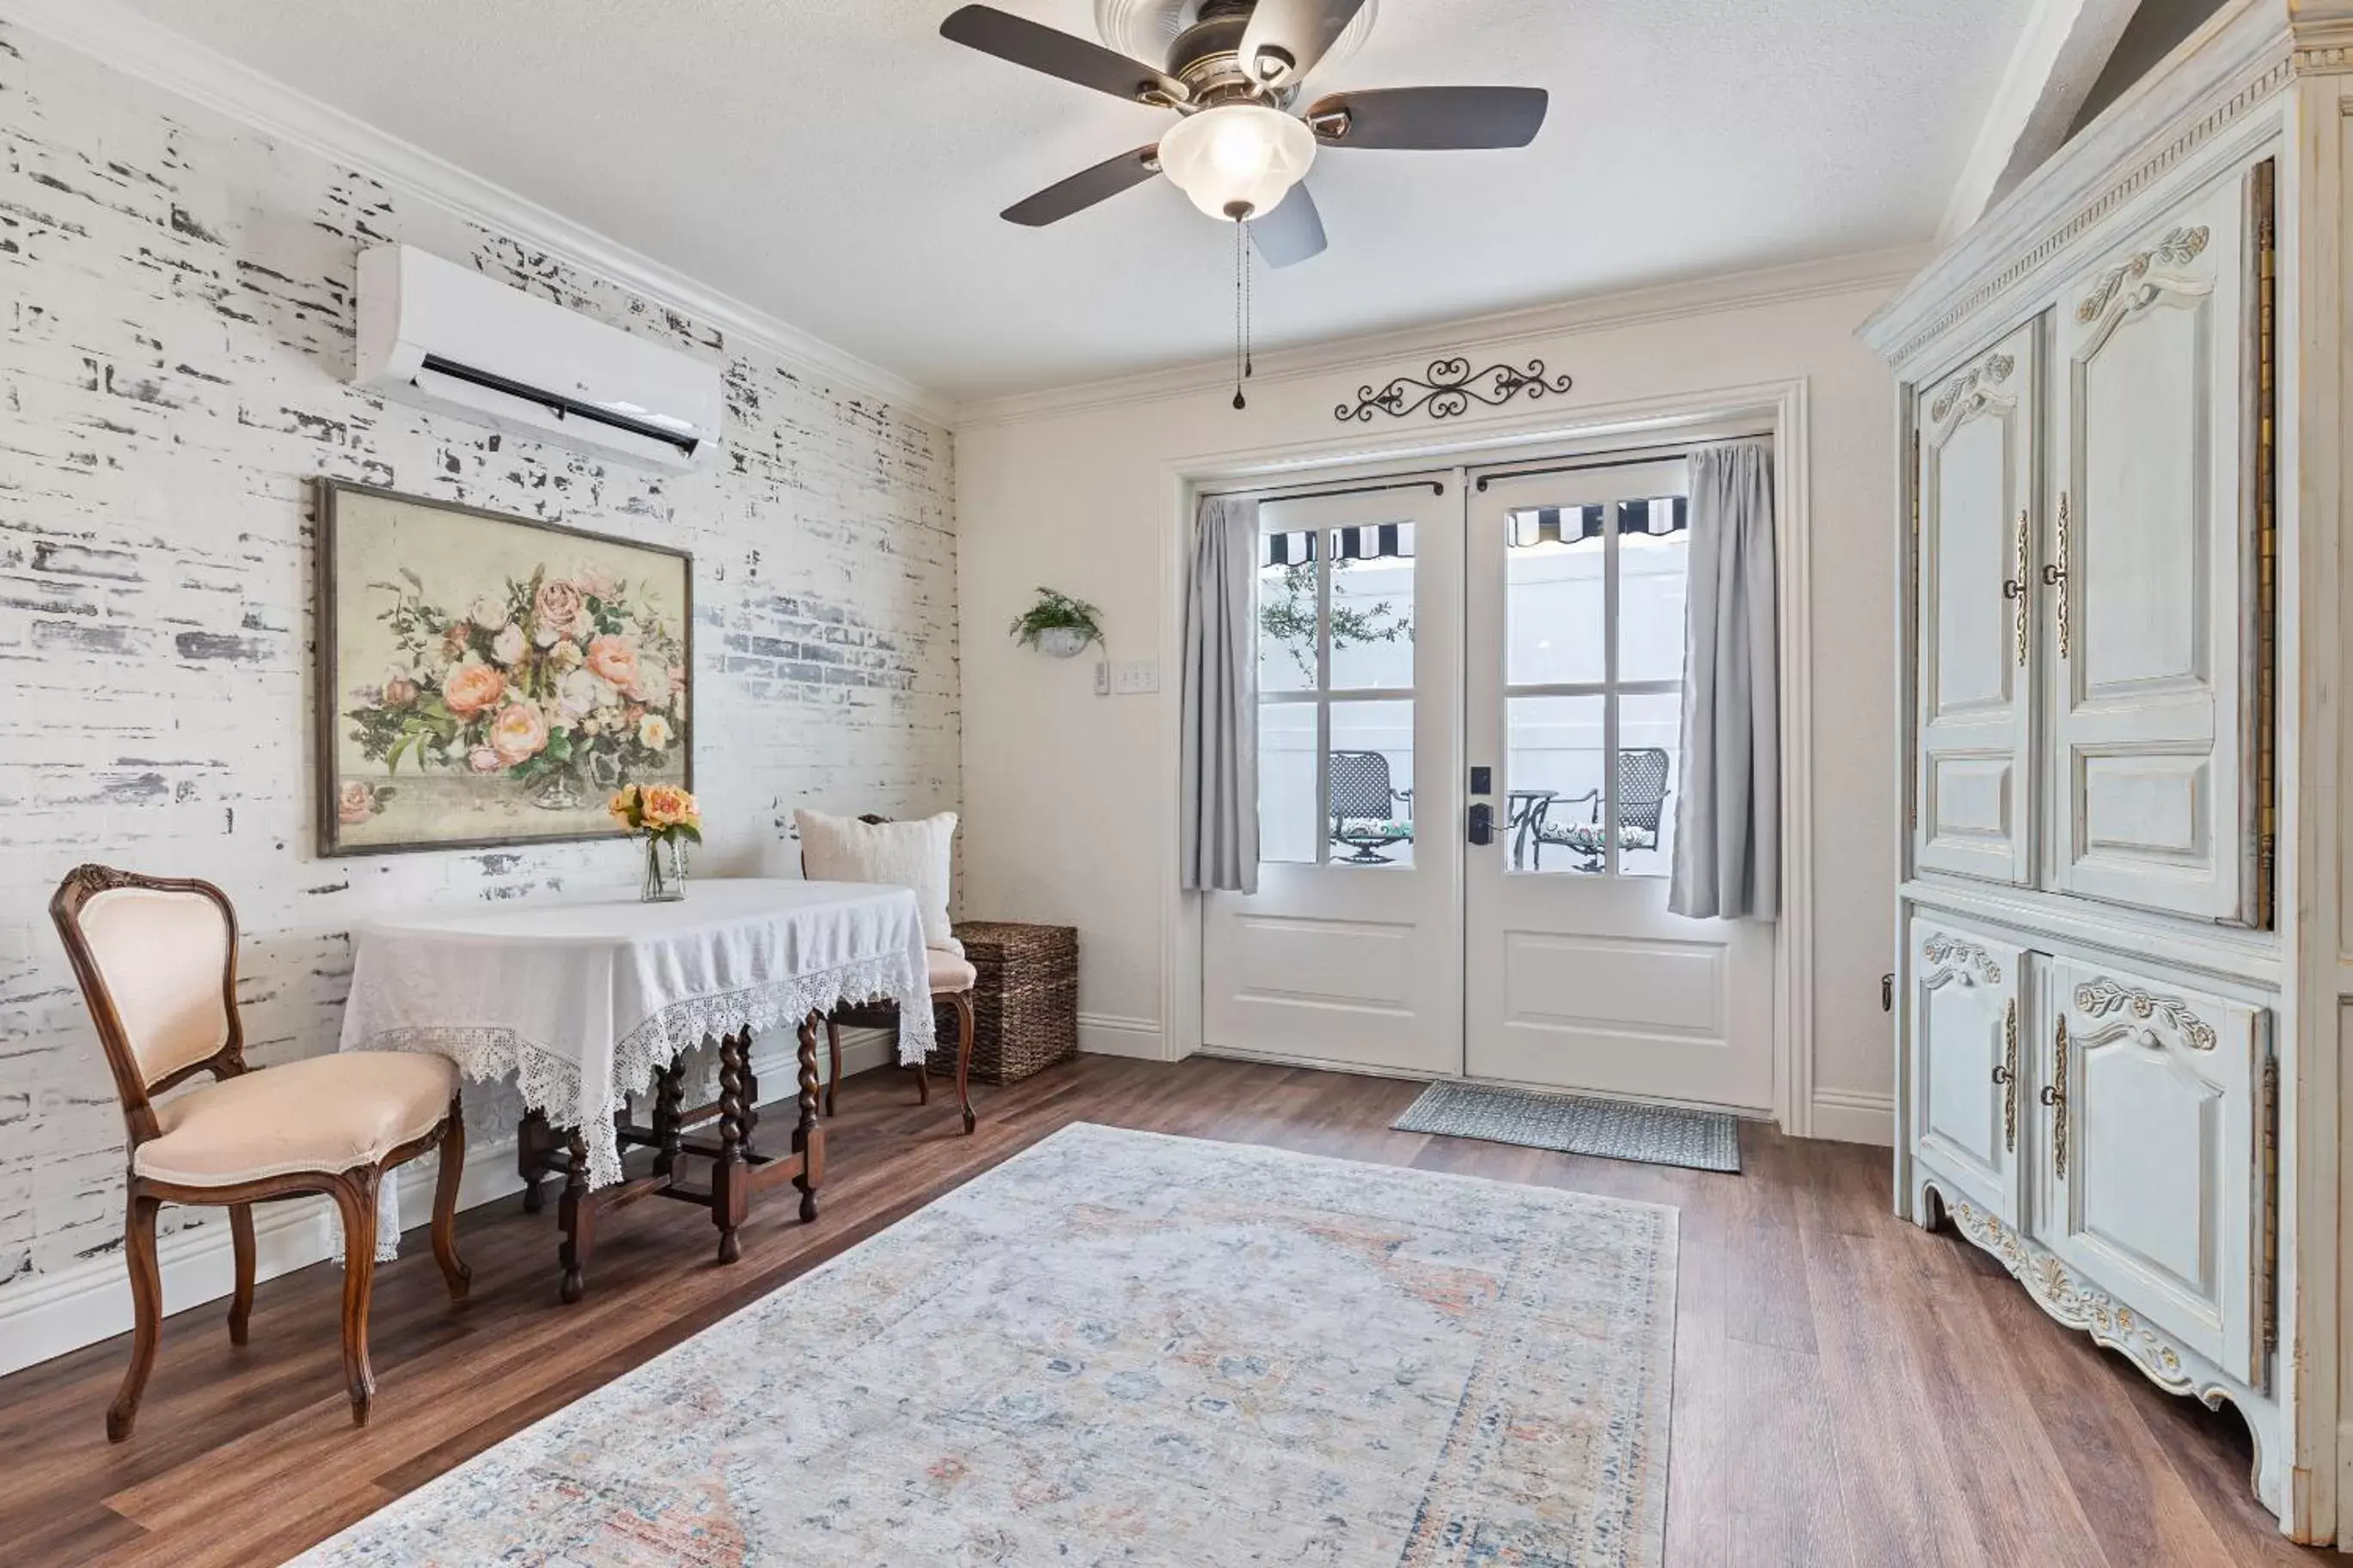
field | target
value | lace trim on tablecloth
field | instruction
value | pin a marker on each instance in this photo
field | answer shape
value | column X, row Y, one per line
column 550, row 1081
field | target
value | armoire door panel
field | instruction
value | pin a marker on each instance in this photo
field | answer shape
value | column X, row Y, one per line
column 1973, row 800
column 2142, row 590
column 1978, row 431
column 2146, row 806
column 1967, row 998
column 2152, row 1137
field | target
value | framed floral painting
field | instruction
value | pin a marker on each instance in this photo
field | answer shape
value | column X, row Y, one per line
column 489, row 681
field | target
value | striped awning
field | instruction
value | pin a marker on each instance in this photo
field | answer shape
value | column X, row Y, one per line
column 1572, row 524
column 1387, row 540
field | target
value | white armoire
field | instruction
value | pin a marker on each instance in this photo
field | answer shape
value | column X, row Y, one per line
column 2124, row 963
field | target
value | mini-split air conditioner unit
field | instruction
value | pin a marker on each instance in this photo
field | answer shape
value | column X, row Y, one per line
column 442, row 337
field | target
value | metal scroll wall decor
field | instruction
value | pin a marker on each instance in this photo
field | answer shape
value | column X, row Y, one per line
column 1448, row 389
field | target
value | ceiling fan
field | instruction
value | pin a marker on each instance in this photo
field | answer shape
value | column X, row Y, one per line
column 1242, row 147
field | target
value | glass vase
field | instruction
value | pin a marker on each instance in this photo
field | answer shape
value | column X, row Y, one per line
column 665, row 871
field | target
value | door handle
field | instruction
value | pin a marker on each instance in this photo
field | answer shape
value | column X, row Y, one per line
column 2055, row 574
column 1483, row 824
column 2005, row 1073
column 2054, row 1095
column 2014, row 588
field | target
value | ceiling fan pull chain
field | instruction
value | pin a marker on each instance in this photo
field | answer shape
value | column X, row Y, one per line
column 1249, row 306
column 1242, row 330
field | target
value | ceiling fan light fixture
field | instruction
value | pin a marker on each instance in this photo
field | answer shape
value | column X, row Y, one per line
column 1236, row 160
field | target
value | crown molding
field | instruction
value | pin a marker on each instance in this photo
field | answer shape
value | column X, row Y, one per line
column 2216, row 84
column 1878, row 269
column 128, row 41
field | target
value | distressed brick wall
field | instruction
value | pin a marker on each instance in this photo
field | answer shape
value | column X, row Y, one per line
column 176, row 323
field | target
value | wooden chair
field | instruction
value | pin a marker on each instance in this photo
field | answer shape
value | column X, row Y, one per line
column 952, row 980
column 156, row 958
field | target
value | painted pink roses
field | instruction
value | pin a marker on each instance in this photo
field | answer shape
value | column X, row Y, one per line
column 568, row 687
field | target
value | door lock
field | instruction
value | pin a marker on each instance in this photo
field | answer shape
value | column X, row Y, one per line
column 1483, row 824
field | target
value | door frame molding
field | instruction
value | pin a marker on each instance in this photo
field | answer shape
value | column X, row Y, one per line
column 1780, row 405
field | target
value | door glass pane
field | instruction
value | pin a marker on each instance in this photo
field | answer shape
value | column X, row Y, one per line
column 1289, row 826
column 1555, row 746
column 1372, row 777
column 1372, row 607
column 1650, row 778
column 1286, row 612
column 1553, row 596
column 1653, row 565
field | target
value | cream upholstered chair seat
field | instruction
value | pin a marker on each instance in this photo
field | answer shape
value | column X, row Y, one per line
column 323, row 1113
column 949, row 971
column 156, row 961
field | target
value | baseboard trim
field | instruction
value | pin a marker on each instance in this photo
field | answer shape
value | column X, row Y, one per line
column 1848, row 1116
column 52, row 1314
column 1108, row 1035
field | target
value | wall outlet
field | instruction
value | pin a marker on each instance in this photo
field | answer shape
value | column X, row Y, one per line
column 1102, row 678
column 1130, row 677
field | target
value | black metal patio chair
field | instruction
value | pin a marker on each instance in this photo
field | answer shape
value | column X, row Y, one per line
column 1361, row 804
column 1641, row 799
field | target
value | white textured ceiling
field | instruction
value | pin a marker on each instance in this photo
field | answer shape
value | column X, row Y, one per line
column 838, row 164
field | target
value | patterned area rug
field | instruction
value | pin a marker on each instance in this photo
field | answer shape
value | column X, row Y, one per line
column 1120, row 1347
column 1655, row 1134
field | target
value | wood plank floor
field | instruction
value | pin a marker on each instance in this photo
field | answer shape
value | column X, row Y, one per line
column 1849, row 1390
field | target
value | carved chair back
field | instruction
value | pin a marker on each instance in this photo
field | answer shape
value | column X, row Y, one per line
column 156, row 959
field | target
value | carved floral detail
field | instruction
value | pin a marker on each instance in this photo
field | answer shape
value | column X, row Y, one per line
column 2100, row 997
column 2059, row 1292
column 1946, row 952
column 2179, row 247
column 1970, row 386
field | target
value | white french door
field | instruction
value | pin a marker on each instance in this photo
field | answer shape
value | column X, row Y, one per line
column 1575, row 974
column 1428, row 650
column 1351, row 949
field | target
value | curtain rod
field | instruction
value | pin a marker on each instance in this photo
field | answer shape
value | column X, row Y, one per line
column 1622, row 459
column 1435, row 486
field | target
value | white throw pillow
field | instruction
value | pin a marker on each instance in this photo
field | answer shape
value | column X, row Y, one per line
column 903, row 854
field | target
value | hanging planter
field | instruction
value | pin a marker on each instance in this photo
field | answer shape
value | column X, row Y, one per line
column 1058, row 624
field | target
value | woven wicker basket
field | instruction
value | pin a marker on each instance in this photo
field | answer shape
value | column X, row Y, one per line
column 1025, row 1003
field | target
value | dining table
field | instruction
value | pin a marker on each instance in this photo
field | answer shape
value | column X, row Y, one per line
column 588, row 1005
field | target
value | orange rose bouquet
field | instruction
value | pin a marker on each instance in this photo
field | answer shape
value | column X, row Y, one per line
column 668, row 819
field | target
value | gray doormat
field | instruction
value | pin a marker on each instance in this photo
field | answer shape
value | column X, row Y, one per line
column 1573, row 1124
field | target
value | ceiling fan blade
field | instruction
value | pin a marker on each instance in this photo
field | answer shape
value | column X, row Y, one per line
column 1085, row 189
column 1293, row 232
column 1430, row 118
column 1057, row 54
column 1286, row 37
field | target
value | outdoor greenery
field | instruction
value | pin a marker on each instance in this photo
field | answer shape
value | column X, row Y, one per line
column 1286, row 617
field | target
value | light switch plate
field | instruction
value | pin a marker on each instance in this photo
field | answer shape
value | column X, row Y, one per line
column 1130, row 677
column 1102, row 678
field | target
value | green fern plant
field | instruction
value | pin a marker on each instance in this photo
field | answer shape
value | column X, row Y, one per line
column 1056, row 611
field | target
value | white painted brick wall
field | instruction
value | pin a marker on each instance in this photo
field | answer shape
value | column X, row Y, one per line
column 175, row 325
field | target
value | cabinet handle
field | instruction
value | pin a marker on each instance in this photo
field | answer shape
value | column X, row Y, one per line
column 2054, row 1095
column 2005, row 1073
column 2055, row 575
column 2014, row 588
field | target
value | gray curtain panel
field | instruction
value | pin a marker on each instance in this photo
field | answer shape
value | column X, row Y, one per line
column 1217, row 793
column 1728, row 813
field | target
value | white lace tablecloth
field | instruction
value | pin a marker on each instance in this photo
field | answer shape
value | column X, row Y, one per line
column 580, row 1003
